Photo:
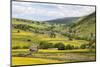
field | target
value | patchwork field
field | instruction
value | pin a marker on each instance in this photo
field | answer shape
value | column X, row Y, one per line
column 56, row 43
column 51, row 56
column 20, row 39
column 31, row 61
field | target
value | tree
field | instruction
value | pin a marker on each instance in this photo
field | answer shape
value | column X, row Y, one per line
column 92, row 40
column 45, row 45
column 84, row 46
column 37, row 22
column 18, row 31
column 69, row 47
column 16, row 47
column 28, row 40
column 52, row 35
column 91, row 44
column 60, row 46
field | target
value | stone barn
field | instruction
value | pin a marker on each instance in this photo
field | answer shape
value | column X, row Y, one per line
column 33, row 49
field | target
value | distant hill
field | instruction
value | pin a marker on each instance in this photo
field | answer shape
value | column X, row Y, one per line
column 86, row 25
column 66, row 20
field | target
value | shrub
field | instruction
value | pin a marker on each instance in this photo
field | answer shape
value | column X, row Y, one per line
column 22, row 26
column 76, row 47
column 69, row 47
column 45, row 45
column 52, row 35
column 28, row 40
column 60, row 46
column 93, row 46
column 83, row 46
column 25, row 47
column 18, row 31
column 16, row 47
column 50, row 45
column 81, row 38
column 70, row 39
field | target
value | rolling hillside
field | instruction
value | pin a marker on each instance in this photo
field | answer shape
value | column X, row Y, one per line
column 66, row 20
column 86, row 25
column 26, row 33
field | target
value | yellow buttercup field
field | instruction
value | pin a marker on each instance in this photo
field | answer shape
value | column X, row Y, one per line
column 31, row 61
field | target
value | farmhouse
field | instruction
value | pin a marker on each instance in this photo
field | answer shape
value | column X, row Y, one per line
column 33, row 48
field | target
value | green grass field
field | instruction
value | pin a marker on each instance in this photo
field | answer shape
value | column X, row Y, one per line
column 21, row 41
column 31, row 61
column 51, row 56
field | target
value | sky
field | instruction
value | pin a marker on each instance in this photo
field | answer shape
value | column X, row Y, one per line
column 47, row 11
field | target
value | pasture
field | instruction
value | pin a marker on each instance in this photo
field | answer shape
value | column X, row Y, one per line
column 25, row 34
column 51, row 56
column 31, row 61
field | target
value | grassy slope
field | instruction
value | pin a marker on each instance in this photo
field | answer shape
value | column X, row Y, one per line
column 66, row 20
column 86, row 25
column 53, row 56
column 45, row 56
column 31, row 61
column 20, row 39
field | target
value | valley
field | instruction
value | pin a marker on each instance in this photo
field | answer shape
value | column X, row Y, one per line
column 57, row 42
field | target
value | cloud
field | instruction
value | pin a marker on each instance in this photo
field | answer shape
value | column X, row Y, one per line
column 42, row 11
column 76, row 11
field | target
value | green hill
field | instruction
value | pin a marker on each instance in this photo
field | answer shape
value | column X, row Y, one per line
column 66, row 20
column 85, row 26
column 27, row 32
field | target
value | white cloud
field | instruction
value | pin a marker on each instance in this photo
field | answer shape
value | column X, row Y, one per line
column 52, row 11
column 55, row 14
column 70, row 10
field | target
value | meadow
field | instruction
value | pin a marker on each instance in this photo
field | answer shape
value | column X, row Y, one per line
column 58, row 43
column 51, row 56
